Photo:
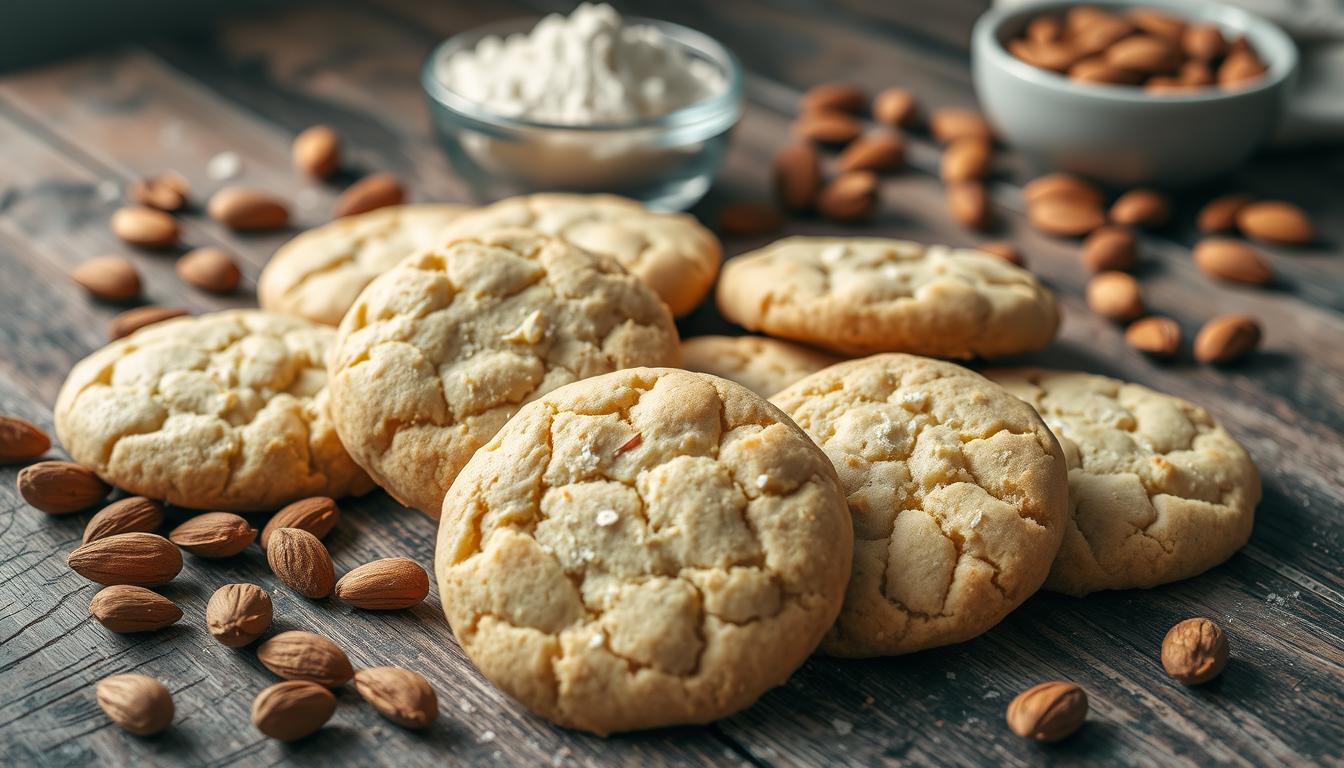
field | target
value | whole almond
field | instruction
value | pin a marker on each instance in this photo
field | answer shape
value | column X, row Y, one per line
column 301, row 562
column 895, row 107
column 948, row 125
column 1144, row 53
column 398, row 694
column 138, row 703
column 21, row 440
column 247, row 210
column 749, row 219
column 1156, row 335
column 378, row 190
column 1100, row 71
column 1141, row 208
column 1048, row 712
column 1239, row 69
column 214, row 534
column 1276, row 222
column 1063, row 185
column 837, row 97
column 316, row 515
column 61, row 487
column 293, row 709
column 1226, row 338
column 145, row 227
column 210, row 269
column 965, row 160
column 134, row 514
column 1065, row 216
column 1110, row 248
column 827, row 127
column 141, row 559
column 879, row 151
column 1099, row 34
column 849, row 197
column 1195, row 73
column 132, row 320
column 1204, row 42
column 299, row 655
column 1220, row 213
column 237, row 614
column 968, row 202
column 127, row 608
column 1157, row 23
column 110, row 278
column 1004, row 250
column 166, row 192
column 1115, row 296
column 1194, row 651
column 1165, row 84
column 388, row 584
column 797, row 177
column 1052, row 56
column 317, row 151
column 1233, row 260
column 1044, row 29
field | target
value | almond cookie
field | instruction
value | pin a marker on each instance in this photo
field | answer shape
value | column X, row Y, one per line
column 958, row 492
column 439, row 351
column 865, row 295
column 647, row 548
column 318, row 274
column 226, row 411
column 763, row 365
column 670, row 252
column 1158, row 490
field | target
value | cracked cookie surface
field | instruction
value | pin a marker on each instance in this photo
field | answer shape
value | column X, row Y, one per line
column 864, row 295
column 1158, row 490
column 318, row 274
column 671, row 252
column 223, row 411
column 957, row 491
column 438, row 352
column 646, row 548
column 761, row 364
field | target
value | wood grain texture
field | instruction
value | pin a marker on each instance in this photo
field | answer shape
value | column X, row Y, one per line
column 73, row 134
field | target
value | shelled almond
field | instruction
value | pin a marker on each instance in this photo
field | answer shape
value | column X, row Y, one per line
column 299, row 655
column 837, row 97
column 399, row 695
column 1115, row 296
column 966, row 160
column 849, row 197
column 878, row 151
column 145, row 227
column 301, row 562
column 317, row 151
column 1220, row 214
column 132, row 320
column 948, row 125
column 1233, row 260
column 1048, row 712
column 61, row 487
column 1194, row 651
column 895, row 107
column 237, row 614
column 827, row 127
column 1110, row 248
column 139, row 704
column 210, row 269
column 166, row 192
column 968, row 201
column 1276, row 222
column 139, row 559
column 135, row 514
column 370, row 193
column 293, row 709
column 126, row 608
column 797, row 177
column 247, row 210
column 388, row 584
column 214, row 535
column 1155, row 335
column 110, row 278
column 1141, row 208
column 21, row 440
column 1227, row 338
column 316, row 515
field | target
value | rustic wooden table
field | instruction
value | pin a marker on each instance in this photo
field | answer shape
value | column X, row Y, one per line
column 73, row 134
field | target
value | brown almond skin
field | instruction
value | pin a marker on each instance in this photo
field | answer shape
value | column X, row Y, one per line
column 61, row 487
column 1228, row 259
column 1065, row 216
column 110, row 278
column 1004, row 250
column 1240, row 68
column 315, row 514
column 1110, row 248
column 134, row 514
column 317, row 151
column 878, row 152
column 1141, row 208
column 1194, row 651
column 21, row 440
column 1048, row 712
column 247, row 210
column 132, row 320
column 968, row 202
column 1098, row 70
column 1061, row 184
column 966, row 160
column 1204, row 42
column 399, row 695
column 293, row 709
column 895, row 107
column 1115, row 296
column 1148, row 54
column 209, row 269
column 139, row 559
column 1158, row 24
column 838, row 97
column 1226, row 338
column 1276, row 222
column 749, row 219
column 214, row 535
column 389, row 584
column 378, row 190
column 948, row 125
column 1220, row 213
column 849, row 197
column 1155, row 335
column 1044, row 29
column 1052, row 56
column 166, row 192
column 137, row 703
column 1099, row 34
column 1195, row 73
column 125, row 608
column 237, row 614
column 827, row 127
column 145, row 227
column 797, row 177
column 299, row 655
column 301, row 562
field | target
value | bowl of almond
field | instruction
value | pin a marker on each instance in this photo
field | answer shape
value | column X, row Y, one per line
column 1152, row 91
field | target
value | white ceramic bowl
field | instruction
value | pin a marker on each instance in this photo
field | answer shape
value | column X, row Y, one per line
column 1122, row 134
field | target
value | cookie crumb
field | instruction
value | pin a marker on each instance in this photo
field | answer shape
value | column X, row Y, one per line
column 530, row 331
column 487, row 737
column 833, row 253
column 108, row 190
column 224, row 166
column 607, row 517
column 951, row 675
column 595, row 641
column 842, row 727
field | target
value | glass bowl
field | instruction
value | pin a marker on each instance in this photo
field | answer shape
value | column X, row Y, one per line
column 666, row 162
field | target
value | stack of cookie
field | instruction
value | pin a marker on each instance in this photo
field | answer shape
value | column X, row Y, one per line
column 628, row 544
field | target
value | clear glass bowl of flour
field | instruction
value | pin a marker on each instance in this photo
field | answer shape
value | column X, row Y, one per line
column 667, row 162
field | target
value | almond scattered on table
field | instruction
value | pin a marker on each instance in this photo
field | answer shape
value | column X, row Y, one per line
column 1065, row 215
column 127, row 608
column 370, row 193
column 827, row 127
column 400, row 695
column 1110, row 248
column 966, row 160
column 1115, row 296
column 139, row 704
column 948, row 125
column 134, row 514
column 166, row 192
column 293, row 709
column 301, row 562
column 878, row 151
column 214, row 535
column 895, row 107
column 317, row 151
column 247, row 210
column 61, row 487
column 145, row 227
column 1061, row 184
column 1048, row 712
column 237, row 614
column 840, row 97
column 21, row 440
column 1004, row 250
column 1155, row 335
column 1194, row 651
column 139, row 559
column 797, row 177
column 299, row 655
column 1220, row 213
column 1226, row 338
column 210, row 269
column 1233, row 260
column 132, row 320
column 110, row 278
column 1276, row 222
column 968, row 202
column 388, row 584
column 316, row 515
column 849, row 197
column 1141, row 208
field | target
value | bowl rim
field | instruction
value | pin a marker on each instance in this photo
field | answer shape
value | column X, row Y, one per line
column 1282, row 64
column 724, row 106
